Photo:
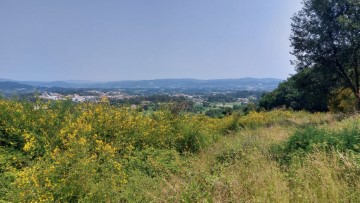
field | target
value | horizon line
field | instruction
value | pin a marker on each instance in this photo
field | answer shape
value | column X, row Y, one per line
column 133, row 80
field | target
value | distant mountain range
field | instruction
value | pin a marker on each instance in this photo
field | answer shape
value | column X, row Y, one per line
column 242, row 83
column 9, row 85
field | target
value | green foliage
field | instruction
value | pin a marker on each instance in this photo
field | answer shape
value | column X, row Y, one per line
column 193, row 139
column 154, row 162
column 249, row 108
column 325, row 38
column 214, row 113
column 10, row 162
column 312, row 139
column 237, row 107
column 198, row 108
column 325, row 43
column 219, row 112
column 343, row 100
column 307, row 90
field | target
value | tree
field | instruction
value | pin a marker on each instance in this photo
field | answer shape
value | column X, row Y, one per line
column 342, row 101
column 326, row 37
column 308, row 89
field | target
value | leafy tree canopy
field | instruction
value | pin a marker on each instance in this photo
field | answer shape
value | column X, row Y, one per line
column 326, row 35
column 305, row 90
column 326, row 43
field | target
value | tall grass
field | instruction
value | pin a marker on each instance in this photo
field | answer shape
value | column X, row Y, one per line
column 245, row 167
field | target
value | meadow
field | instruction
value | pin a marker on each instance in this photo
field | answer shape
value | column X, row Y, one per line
column 97, row 152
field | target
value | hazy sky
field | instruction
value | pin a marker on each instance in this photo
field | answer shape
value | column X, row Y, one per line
column 145, row 39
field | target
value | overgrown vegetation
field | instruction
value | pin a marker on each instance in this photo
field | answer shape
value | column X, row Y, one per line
column 175, row 151
column 61, row 151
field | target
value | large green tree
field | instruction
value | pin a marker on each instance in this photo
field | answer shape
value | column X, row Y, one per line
column 308, row 89
column 326, row 38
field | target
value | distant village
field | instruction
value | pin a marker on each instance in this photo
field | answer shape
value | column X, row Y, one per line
column 92, row 96
column 96, row 96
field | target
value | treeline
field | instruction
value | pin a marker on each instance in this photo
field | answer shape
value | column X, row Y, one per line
column 157, row 98
column 233, row 96
column 326, row 43
column 305, row 90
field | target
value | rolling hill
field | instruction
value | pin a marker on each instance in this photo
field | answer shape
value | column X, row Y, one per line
column 242, row 83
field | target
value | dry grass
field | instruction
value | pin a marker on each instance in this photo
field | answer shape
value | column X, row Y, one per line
column 237, row 168
column 240, row 168
column 324, row 178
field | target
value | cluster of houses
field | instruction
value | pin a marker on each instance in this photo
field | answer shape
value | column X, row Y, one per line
column 94, row 96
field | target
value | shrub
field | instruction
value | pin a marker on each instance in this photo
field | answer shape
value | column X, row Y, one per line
column 311, row 139
column 77, row 152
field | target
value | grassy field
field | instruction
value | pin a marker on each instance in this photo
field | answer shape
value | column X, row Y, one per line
column 262, row 163
column 65, row 152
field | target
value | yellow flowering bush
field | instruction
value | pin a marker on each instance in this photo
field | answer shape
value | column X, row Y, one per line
column 78, row 152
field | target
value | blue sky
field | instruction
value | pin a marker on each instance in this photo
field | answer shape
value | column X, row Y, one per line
column 145, row 39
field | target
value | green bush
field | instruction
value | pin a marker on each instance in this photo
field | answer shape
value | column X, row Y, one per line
column 215, row 113
column 153, row 162
column 311, row 139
